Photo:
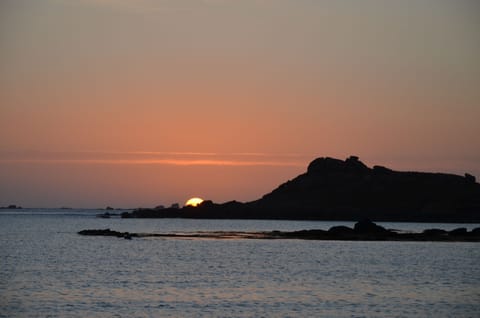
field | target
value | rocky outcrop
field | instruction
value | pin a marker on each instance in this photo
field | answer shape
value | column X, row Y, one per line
column 108, row 232
column 334, row 189
column 367, row 226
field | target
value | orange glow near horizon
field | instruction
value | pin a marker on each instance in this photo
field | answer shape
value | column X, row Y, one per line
column 155, row 158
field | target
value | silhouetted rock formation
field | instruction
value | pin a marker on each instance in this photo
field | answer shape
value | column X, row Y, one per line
column 367, row 226
column 362, row 231
column 108, row 232
column 435, row 232
column 11, row 207
column 334, row 189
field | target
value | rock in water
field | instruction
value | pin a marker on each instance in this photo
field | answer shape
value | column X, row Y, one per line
column 366, row 227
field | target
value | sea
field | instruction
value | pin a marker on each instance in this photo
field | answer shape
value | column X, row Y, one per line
column 48, row 270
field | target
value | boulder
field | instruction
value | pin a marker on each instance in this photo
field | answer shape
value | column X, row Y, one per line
column 368, row 227
column 341, row 230
column 476, row 231
column 434, row 232
column 458, row 232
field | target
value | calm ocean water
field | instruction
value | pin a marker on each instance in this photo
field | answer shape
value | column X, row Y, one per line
column 47, row 270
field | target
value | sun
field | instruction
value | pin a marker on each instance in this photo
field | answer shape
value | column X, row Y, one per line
column 193, row 202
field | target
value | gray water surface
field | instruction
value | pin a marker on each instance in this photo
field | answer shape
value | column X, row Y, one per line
column 48, row 270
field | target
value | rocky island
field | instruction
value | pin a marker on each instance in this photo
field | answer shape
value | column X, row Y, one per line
column 334, row 189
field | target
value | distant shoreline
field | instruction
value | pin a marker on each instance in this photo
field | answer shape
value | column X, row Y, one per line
column 338, row 190
column 201, row 214
column 160, row 214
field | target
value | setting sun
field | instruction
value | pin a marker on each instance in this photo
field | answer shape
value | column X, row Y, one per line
column 193, row 202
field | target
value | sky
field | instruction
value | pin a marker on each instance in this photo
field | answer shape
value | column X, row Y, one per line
column 148, row 102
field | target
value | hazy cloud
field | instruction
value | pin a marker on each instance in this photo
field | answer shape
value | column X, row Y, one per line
column 156, row 6
column 137, row 6
column 154, row 158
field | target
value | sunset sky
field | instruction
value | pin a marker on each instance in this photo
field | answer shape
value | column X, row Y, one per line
column 147, row 102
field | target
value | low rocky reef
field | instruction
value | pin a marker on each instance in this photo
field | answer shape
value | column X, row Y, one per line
column 364, row 230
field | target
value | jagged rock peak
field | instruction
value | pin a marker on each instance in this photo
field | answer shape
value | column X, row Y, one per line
column 325, row 164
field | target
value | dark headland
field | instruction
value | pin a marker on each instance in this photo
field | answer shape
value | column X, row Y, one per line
column 333, row 189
